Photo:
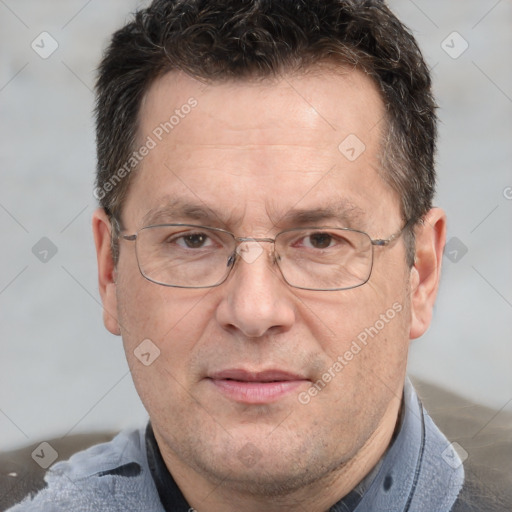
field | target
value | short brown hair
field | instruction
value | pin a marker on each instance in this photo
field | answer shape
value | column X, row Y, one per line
column 234, row 39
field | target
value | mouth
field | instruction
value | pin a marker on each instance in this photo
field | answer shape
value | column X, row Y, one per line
column 261, row 387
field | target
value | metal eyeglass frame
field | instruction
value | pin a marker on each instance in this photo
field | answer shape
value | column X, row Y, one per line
column 379, row 242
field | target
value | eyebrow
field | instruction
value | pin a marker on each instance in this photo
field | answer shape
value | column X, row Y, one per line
column 178, row 209
column 342, row 212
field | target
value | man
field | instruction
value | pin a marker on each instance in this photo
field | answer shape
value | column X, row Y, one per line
column 267, row 248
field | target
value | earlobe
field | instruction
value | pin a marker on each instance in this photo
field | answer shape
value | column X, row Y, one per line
column 426, row 272
column 106, row 269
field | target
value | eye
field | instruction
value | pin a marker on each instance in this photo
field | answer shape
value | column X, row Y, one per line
column 190, row 240
column 322, row 240
column 318, row 240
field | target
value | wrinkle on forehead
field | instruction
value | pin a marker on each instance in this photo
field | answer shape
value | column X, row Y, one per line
column 342, row 213
column 252, row 157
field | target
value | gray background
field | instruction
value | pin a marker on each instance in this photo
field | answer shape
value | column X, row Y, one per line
column 61, row 372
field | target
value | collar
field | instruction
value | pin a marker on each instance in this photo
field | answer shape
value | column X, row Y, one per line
column 170, row 495
column 412, row 475
column 420, row 470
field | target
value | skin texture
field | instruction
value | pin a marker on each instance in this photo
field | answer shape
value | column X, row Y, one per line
column 249, row 154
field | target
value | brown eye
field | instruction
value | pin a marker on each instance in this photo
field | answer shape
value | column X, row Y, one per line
column 195, row 241
column 320, row 240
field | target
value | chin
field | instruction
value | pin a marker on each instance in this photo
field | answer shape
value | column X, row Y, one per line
column 273, row 473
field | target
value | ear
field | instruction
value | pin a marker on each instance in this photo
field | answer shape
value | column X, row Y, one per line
column 426, row 272
column 106, row 269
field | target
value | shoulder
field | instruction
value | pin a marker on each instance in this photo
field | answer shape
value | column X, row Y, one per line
column 108, row 476
column 479, row 494
column 483, row 439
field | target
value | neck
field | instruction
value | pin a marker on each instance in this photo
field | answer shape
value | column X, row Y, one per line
column 206, row 494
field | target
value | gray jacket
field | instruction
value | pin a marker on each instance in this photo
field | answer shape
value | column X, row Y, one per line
column 420, row 472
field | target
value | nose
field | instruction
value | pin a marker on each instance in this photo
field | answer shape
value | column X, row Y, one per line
column 256, row 301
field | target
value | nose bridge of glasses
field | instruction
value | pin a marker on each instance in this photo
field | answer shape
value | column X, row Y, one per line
column 241, row 239
column 249, row 248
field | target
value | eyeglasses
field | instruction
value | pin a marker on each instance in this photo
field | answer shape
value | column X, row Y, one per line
column 311, row 258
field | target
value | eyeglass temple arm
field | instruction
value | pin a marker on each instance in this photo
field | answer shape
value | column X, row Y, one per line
column 382, row 242
column 116, row 226
column 386, row 241
column 129, row 238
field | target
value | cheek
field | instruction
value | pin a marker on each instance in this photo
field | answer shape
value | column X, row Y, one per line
column 365, row 337
column 172, row 319
column 356, row 314
column 160, row 330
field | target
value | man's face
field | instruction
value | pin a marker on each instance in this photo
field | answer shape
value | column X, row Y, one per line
column 255, row 159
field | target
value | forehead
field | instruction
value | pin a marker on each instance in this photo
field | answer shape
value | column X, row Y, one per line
column 265, row 146
column 317, row 100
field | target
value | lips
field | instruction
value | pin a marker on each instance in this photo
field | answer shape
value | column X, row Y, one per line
column 263, row 376
column 258, row 387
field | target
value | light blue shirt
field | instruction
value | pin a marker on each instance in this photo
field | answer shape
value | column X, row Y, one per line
column 420, row 472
